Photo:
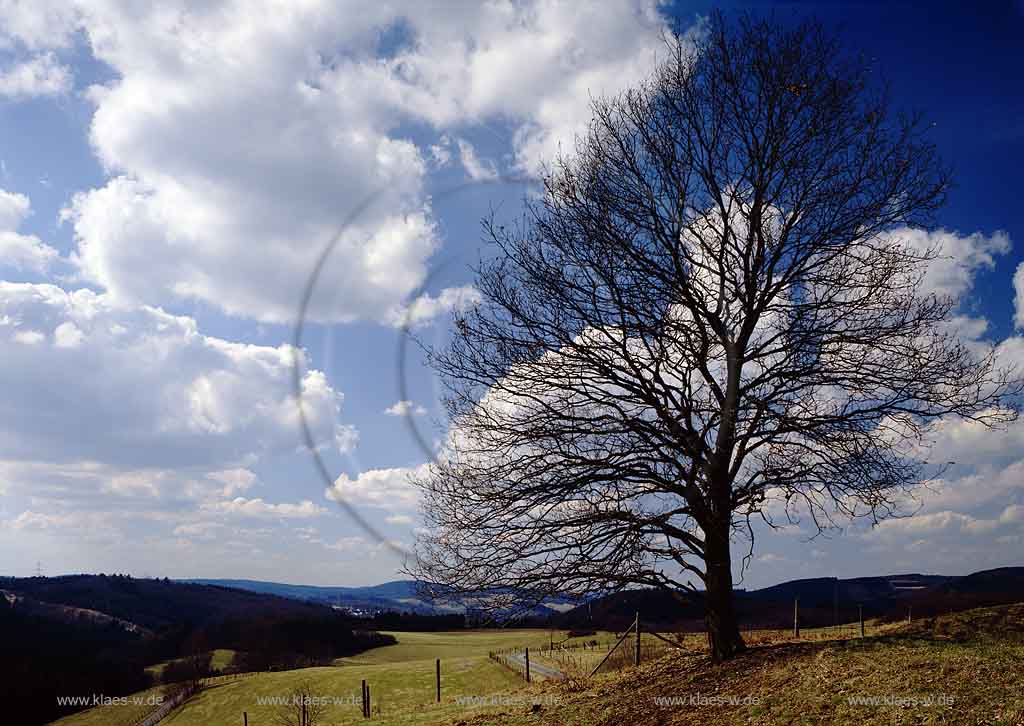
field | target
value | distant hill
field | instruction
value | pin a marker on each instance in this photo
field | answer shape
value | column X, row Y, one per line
column 985, row 582
column 68, row 614
column 395, row 596
column 385, row 595
column 153, row 603
column 823, row 601
column 393, row 589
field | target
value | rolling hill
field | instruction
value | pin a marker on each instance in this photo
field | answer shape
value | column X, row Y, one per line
column 81, row 635
column 823, row 600
column 153, row 603
column 396, row 595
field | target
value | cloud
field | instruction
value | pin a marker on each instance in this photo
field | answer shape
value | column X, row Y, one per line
column 136, row 483
column 37, row 25
column 28, row 337
column 1018, row 297
column 960, row 257
column 241, row 139
column 243, row 507
column 389, row 488
column 478, row 169
column 945, row 521
column 67, row 335
column 972, row 445
column 472, row 70
column 41, row 75
column 427, row 307
column 348, row 544
column 21, row 251
column 238, row 140
column 440, row 153
column 198, row 530
column 177, row 398
column 90, row 485
column 405, row 408
column 151, row 244
column 83, row 528
column 234, row 480
column 38, row 520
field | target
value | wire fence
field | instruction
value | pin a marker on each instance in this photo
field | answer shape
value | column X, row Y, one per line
column 177, row 697
column 587, row 654
column 639, row 644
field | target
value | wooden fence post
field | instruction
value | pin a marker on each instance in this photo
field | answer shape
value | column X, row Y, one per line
column 636, row 653
column 527, row 664
column 365, row 711
column 245, row 719
column 610, row 651
column 439, row 680
column 796, row 617
column 860, row 612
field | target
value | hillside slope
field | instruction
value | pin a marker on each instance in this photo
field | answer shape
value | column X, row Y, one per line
column 823, row 601
column 67, row 613
column 154, row 603
column 964, row 668
column 83, row 635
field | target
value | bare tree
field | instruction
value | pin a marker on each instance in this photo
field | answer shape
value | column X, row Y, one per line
column 303, row 708
column 708, row 316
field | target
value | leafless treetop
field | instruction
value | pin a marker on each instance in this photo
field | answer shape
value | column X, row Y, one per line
column 711, row 308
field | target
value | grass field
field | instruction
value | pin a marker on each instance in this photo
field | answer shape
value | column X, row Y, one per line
column 964, row 668
column 452, row 644
column 113, row 715
column 220, row 660
column 578, row 660
column 401, row 679
column 401, row 693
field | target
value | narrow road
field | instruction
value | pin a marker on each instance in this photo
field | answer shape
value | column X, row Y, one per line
column 536, row 668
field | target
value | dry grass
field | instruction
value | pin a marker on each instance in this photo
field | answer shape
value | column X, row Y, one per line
column 966, row 668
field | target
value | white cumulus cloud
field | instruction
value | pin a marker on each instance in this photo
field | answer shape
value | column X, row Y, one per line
column 21, row 251
column 243, row 507
column 129, row 386
column 41, row 75
column 405, row 408
column 388, row 488
column 239, row 137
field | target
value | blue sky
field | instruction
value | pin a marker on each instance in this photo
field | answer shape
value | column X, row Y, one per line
column 170, row 176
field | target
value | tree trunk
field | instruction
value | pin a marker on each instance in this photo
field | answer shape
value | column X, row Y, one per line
column 724, row 637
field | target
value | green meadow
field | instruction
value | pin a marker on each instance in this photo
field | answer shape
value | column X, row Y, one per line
column 401, row 678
